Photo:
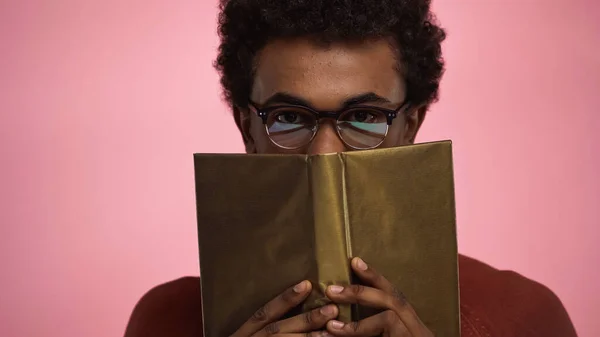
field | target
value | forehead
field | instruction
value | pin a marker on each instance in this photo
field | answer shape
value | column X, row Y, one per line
column 326, row 75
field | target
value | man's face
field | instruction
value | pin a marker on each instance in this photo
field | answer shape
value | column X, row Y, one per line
column 325, row 77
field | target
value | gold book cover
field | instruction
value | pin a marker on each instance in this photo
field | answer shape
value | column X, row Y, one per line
column 266, row 222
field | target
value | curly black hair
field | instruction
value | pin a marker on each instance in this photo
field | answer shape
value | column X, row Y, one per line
column 246, row 26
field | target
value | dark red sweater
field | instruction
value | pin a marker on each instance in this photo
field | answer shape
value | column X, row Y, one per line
column 494, row 303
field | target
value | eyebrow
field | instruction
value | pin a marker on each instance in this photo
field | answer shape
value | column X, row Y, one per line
column 286, row 98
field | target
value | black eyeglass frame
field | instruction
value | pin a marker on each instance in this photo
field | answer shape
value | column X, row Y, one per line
column 390, row 114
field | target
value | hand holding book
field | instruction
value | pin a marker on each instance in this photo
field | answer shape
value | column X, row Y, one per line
column 398, row 318
column 267, row 320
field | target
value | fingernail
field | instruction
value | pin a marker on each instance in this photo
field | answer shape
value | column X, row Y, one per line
column 326, row 334
column 360, row 264
column 300, row 287
column 328, row 310
column 337, row 325
column 336, row 289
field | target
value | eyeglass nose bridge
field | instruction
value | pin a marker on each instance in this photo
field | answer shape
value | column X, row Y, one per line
column 328, row 115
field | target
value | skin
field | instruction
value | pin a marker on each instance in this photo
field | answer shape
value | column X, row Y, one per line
column 325, row 77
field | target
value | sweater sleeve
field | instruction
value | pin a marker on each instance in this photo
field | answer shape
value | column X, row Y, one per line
column 172, row 309
column 507, row 304
column 536, row 310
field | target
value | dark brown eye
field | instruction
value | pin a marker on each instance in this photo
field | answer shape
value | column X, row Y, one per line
column 288, row 117
column 363, row 116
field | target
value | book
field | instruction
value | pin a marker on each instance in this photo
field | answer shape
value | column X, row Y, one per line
column 267, row 222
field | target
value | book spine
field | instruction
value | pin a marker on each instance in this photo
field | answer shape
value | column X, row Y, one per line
column 332, row 249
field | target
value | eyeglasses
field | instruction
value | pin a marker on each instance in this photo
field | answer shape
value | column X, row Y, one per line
column 359, row 127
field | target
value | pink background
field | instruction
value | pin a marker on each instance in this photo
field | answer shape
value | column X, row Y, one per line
column 103, row 103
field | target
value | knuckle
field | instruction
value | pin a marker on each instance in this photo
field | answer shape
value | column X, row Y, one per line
column 308, row 318
column 272, row 328
column 357, row 289
column 260, row 315
column 399, row 298
column 354, row 326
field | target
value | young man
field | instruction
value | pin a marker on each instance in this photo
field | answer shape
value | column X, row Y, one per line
column 319, row 76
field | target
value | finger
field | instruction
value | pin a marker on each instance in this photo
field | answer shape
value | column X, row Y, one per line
column 309, row 321
column 376, row 298
column 311, row 334
column 370, row 276
column 276, row 308
column 379, row 324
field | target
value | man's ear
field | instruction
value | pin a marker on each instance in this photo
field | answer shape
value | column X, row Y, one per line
column 244, row 122
column 414, row 119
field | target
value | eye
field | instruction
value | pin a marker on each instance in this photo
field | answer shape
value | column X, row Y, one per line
column 363, row 116
column 290, row 117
